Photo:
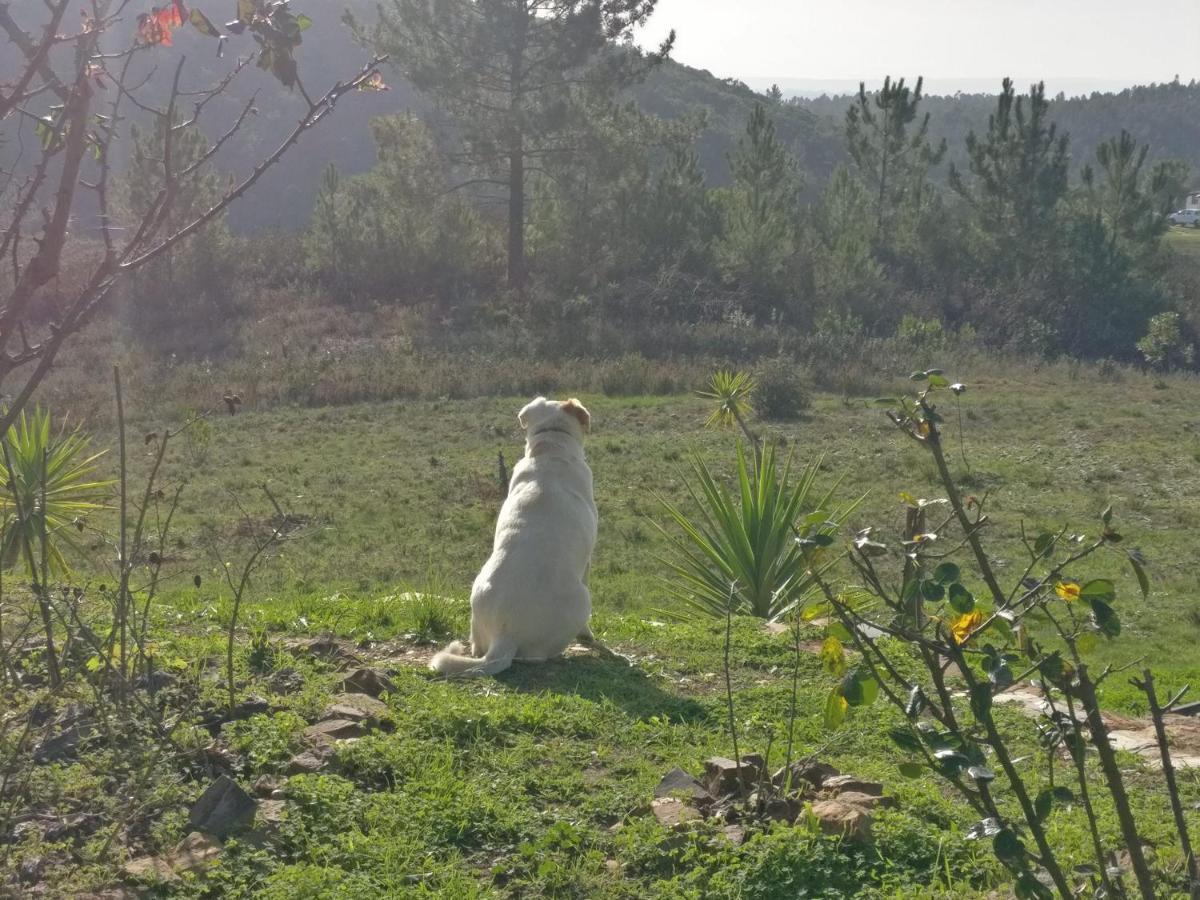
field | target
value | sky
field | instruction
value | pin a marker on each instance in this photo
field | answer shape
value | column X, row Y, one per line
column 1074, row 45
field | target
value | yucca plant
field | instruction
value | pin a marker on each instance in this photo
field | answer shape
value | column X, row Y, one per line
column 51, row 488
column 754, row 546
column 732, row 394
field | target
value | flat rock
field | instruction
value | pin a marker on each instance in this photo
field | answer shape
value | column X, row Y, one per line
column 195, row 852
column 847, row 820
column 735, row 834
column 312, row 760
column 813, row 773
column 368, row 681
column 357, row 708
column 866, row 801
column 672, row 813
column 682, row 786
column 269, row 816
column 266, row 785
column 334, row 730
column 222, row 809
column 150, row 868
column 841, row 784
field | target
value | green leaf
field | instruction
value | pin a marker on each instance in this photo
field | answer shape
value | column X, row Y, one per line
column 838, row 630
column 1106, row 620
column 1106, row 516
column 833, row 657
column 1028, row 887
column 981, row 773
column 961, row 599
column 946, row 573
column 245, row 11
column 905, row 739
column 202, row 24
column 939, row 381
column 1043, row 544
column 1099, row 589
column 911, row 769
column 932, row 591
column 859, row 687
column 835, row 709
column 1008, row 848
column 1048, row 797
column 1135, row 563
column 303, row 22
column 981, row 700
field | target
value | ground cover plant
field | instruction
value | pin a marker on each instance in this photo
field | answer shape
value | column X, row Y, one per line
column 539, row 783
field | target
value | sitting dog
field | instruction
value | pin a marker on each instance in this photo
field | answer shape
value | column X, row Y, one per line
column 530, row 601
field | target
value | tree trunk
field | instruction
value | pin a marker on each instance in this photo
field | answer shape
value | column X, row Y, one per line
column 516, row 214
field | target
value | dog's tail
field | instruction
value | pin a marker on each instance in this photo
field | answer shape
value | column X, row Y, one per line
column 454, row 661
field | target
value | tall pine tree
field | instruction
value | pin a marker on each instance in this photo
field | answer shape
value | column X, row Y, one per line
column 520, row 78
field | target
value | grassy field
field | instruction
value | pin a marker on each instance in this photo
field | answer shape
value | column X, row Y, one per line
column 538, row 783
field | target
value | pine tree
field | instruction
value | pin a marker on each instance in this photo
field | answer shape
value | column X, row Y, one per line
column 1124, row 199
column 1018, row 177
column 521, row 80
column 761, row 210
column 892, row 157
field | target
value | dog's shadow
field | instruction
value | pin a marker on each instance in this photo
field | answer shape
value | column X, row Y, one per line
column 598, row 677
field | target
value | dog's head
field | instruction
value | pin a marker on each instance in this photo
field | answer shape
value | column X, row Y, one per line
column 541, row 414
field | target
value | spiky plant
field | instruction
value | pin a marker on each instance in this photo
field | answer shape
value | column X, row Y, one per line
column 759, row 541
column 49, row 491
column 732, row 394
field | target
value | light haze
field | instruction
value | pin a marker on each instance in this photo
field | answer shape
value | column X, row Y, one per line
column 813, row 46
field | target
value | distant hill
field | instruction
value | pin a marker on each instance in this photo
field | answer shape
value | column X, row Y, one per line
column 1166, row 116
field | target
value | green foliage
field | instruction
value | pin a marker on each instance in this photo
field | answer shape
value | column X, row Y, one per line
column 267, row 741
column 50, row 492
column 397, row 232
column 760, row 211
column 781, row 390
column 1164, row 345
column 753, row 547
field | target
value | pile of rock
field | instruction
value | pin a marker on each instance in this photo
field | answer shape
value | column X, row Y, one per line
column 739, row 794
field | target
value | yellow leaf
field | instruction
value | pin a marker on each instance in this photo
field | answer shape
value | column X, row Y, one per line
column 962, row 627
column 1067, row 590
column 833, row 657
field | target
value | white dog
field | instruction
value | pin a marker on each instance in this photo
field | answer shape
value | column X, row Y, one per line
column 530, row 601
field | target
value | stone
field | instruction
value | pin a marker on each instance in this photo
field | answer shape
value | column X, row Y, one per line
column 194, row 852
column 814, row 773
column 66, row 743
column 357, row 708
column 334, row 730
column 724, row 776
column 222, row 809
column 867, row 801
column 312, row 760
column 735, row 834
column 368, row 681
column 841, row 784
column 672, row 813
column 269, row 816
column 249, row 706
column 844, row 819
column 682, row 786
column 286, row 681
column 150, row 868
column 266, row 785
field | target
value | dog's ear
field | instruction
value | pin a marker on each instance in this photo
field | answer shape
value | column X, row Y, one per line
column 574, row 408
column 523, row 415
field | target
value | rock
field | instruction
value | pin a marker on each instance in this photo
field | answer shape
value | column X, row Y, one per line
column 735, row 834
column 357, row 708
column 334, row 730
column 682, row 786
column 222, row 809
column 777, row 627
column 308, row 762
column 195, row 852
column 266, row 785
column 844, row 819
column 66, row 744
column 672, row 813
column 249, row 706
column 155, row 681
column 150, row 868
column 30, row 869
column 269, row 816
column 815, row 773
column 368, row 681
column 867, row 801
column 74, row 825
column 724, row 776
column 286, row 681
column 841, row 784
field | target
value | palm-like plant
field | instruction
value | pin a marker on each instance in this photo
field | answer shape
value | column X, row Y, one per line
column 732, row 394
column 51, row 487
column 754, row 546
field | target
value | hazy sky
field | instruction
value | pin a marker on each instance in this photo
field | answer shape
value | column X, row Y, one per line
column 951, row 42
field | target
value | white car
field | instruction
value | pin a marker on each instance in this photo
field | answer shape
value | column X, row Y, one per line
column 1185, row 217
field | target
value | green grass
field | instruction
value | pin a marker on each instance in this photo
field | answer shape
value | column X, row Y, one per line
column 537, row 784
column 1184, row 240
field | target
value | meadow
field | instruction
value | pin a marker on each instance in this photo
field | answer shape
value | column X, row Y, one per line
column 539, row 782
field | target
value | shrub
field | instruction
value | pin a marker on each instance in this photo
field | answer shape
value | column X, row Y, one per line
column 782, row 394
